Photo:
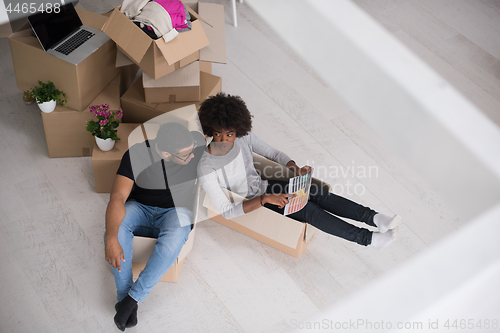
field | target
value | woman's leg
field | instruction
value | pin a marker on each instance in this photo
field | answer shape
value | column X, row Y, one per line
column 341, row 206
column 317, row 217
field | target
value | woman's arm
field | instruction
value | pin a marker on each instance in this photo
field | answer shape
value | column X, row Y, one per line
column 260, row 147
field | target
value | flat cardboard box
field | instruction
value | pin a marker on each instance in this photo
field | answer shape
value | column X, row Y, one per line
column 81, row 83
column 65, row 128
column 216, row 34
column 205, row 42
column 281, row 232
column 182, row 85
column 155, row 57
column 136, row 110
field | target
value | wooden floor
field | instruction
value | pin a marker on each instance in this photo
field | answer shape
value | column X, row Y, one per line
column 54, row 276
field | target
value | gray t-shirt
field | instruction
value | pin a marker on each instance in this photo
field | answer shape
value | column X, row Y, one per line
column 235, row 172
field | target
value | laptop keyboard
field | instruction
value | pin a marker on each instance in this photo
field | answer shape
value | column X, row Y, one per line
column 74, row 42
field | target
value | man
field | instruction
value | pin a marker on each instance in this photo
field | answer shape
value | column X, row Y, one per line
column 151, row 196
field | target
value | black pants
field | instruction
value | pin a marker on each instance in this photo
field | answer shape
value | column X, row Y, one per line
column 317, row 213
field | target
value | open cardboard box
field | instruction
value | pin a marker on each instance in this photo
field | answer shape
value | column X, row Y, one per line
column 279, row 231
column 122, row 60
column 136, row 110
column 65, row 128
column 182, row 85
column 81, row 83
column 157, row 58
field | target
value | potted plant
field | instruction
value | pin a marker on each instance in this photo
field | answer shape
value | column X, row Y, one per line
column 47, row 96
column 104, row 127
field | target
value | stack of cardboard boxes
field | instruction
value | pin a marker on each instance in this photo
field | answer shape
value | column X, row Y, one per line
column 175, row 75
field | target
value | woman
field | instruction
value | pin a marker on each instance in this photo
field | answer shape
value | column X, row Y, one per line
column 228, row 163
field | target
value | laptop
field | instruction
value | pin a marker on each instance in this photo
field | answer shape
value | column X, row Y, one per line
column 64, row 36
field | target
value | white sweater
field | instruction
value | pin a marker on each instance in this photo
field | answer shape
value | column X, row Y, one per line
column 235, row 171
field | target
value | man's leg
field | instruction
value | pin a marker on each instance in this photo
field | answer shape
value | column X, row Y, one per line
column 138, row 218
column 173, row 225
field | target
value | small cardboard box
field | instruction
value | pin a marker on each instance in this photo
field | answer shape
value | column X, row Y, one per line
column 81, row 83
column 157, row 58
column 142, row 248
column 182, row 85
column 106, row 163
column 65, row 128
column 279, row 231
column 136, row 110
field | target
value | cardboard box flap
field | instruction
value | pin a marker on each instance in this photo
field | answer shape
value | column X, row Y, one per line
column 186, row 76
column 264, row 221
column 136, row 136
column 119, row 28
column 90, row 19
column 188, row 245
column 122, row 60
column 216, row 34
column 195, row 15
column 185, row 44
column 310, row 231
column 143, row 248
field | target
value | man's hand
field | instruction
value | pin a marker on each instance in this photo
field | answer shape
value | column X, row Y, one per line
column 114, row 254
column 279, row 200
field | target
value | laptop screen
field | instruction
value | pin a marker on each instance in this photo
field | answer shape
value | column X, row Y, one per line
column 51, row 28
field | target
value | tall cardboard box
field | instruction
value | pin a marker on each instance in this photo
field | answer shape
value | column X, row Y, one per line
column 81, row 83
column 136, row 110
column 205, row 41
column 279, row 231
column 183, row 85
column 65, row 128
column 106, row 163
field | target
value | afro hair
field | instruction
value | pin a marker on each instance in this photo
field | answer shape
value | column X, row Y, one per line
column 225, row 112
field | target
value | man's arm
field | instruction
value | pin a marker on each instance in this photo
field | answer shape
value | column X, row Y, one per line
column 115, row 213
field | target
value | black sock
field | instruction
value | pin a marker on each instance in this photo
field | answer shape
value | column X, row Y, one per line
column 123, row 310
column 132, row 320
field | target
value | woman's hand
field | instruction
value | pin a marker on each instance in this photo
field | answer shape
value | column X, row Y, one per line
column 304, row 170
column 279, row 200
column 299, row 171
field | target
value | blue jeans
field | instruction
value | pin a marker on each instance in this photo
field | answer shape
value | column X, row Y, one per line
column 171, row 227
column 319, row 209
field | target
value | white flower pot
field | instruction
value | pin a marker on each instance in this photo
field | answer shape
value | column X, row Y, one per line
column 105, row 145
column 47, row 107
